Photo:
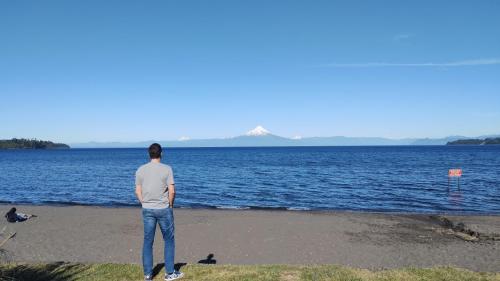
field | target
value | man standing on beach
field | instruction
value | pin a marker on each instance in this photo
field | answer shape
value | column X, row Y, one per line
column 154, row 187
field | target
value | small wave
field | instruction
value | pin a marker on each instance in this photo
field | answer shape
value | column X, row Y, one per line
column 232, row 207
column 267, row 208
column 68, row 203
column 299, row 209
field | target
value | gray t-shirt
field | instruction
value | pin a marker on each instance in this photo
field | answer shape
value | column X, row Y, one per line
column 154, row 179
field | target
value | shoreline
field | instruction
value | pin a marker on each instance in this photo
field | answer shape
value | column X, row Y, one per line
column 265, row 209
column 87, row 234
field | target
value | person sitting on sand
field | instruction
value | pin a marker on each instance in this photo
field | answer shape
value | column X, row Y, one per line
column 156, row 191
column 12, row 216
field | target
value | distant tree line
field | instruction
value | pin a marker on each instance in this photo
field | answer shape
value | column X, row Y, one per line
column 30, row 144
column 475, row 141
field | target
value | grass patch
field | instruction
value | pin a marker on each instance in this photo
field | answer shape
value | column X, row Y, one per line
column 126, row 272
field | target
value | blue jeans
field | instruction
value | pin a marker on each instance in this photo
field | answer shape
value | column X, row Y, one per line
column 164, row 218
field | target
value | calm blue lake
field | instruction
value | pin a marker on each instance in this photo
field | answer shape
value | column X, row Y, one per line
column 387, row 179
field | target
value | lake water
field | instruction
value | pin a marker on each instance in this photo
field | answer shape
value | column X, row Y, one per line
column 386, row 179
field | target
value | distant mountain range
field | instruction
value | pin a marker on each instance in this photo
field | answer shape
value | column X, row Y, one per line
column 262, row 137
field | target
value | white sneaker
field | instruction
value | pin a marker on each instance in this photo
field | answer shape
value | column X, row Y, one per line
column 174, row 276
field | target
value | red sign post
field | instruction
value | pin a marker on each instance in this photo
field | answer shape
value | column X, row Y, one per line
column 454, row 173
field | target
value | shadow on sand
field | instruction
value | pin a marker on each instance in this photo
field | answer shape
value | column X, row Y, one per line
column 209, row 260
column 157, row 269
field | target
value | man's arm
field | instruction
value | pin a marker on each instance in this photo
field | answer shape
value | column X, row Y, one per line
column 138, row 192
column 171, row 195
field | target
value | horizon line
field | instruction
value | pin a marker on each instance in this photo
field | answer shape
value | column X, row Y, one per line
column 294, row 139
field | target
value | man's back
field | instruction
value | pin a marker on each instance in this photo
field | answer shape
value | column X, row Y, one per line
column 154, row 179
column 154, row 187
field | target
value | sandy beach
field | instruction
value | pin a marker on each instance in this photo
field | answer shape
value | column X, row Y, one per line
column 366, row 240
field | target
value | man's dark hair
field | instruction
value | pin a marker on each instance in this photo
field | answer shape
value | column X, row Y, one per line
column 154, row 151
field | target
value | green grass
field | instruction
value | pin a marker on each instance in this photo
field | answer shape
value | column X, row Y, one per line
column 119, row 272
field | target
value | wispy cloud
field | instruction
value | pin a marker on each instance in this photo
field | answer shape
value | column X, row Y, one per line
column 402, row 36
column 477, row 62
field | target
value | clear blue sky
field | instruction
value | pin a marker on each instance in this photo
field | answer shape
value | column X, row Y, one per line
column 77, row 71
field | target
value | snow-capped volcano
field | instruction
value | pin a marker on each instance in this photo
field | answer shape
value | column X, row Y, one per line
column 258, row 131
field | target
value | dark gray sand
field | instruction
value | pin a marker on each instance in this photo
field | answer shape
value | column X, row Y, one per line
column 366, row 240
